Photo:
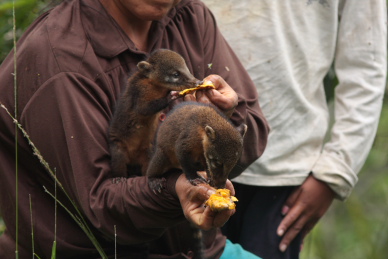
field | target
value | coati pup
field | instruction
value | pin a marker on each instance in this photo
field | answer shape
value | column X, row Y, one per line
column 196, row 137
column 135, row 119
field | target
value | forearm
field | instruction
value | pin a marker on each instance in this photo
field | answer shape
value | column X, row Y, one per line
column 361, row 70
column 71, row 133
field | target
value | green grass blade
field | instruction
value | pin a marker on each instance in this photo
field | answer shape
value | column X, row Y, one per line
column 80, row 220
column 16, row 135
column 54, row 250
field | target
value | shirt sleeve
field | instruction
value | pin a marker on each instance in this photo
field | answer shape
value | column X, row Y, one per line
column 219, row 58
column 360, row 65
column 67, row 119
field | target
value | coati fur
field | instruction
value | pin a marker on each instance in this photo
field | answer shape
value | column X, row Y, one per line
column 196, row 137
column 135, row 119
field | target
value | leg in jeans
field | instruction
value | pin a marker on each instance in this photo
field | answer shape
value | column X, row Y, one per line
column 254, row 225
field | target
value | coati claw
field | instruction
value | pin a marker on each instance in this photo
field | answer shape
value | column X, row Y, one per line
column 197, row 181
column 157, row 184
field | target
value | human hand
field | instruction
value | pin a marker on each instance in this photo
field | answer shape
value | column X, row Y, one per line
column 192, row 199
column 224, row 97
column 302, row 210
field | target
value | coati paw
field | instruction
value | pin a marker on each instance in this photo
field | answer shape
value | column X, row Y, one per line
column 157, row 184
column 197, row 181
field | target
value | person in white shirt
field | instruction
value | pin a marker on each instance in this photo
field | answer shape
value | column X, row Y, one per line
column 288, row 47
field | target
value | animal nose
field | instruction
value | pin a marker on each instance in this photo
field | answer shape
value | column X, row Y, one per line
column 219, row 184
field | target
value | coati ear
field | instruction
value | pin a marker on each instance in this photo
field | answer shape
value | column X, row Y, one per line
column 210, row 132
column 144, row 66
column 242, row 129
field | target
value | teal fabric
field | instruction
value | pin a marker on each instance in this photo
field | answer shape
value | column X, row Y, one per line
column 235, row 251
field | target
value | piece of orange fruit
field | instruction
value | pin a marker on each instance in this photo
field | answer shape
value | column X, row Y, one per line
column 221, row 200
column 204, row 85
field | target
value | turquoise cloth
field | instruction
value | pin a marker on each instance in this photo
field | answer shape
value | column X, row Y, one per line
column 235, row 251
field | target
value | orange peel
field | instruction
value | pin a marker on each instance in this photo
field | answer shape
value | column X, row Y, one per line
column 204, row 85
column 221, row 200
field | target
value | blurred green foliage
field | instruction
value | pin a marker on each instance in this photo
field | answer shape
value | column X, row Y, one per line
column 358, row 227
column 355, row 229
column 25, row 12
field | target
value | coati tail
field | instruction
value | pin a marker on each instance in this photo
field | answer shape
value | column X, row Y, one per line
column 198, row 247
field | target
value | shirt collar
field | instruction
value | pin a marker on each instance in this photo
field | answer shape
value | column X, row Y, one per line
column 106, row 36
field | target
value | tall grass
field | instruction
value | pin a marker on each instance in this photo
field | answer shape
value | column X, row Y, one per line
column 78, row 217
column 16, row 135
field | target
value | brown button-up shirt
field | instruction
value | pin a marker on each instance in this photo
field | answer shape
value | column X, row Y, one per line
column 72, row 65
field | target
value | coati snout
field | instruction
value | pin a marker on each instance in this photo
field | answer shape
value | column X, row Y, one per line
column 222, row 150
column 168, row 70
column 197, row 137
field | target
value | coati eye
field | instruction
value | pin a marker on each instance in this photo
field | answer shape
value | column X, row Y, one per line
column 176, row 74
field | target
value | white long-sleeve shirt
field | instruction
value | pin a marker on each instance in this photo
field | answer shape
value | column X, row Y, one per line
column 288, row 47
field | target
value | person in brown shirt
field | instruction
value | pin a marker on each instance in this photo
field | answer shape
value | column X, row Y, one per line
column 72, row 64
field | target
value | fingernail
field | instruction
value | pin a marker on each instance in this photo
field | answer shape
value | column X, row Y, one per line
column 210, row 192
column 280, row 232
column 283, row 247
column 285, row 210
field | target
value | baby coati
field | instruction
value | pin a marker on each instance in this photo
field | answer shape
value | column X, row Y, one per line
column 196, row 137
column 135, row 119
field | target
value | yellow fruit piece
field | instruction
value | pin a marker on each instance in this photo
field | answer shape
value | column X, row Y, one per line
column 221, row 200
column 205, row 85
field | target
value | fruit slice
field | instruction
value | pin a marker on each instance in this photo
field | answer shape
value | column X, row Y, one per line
column 204, row 85
column 221, row 200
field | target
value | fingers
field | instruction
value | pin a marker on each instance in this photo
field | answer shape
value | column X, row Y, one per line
column 303, row 225
column 224, row 97
column 192, row 200
column 202, row 97
column 222, row 217
column 291, row 226
column 302, row 210
column 199, row 96
column 292, row 216
column 189, row 97
column 295, row 219
column 210, row 219
column 230, row 186
column 203, row 217
column 291, row 200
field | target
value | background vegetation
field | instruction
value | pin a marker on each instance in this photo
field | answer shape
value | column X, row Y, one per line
column 355, row 229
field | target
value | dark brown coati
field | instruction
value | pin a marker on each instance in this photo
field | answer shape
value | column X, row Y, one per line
column 196, row 137
column 135, row 119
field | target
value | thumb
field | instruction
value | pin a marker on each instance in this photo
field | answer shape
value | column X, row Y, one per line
column 291, row 200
